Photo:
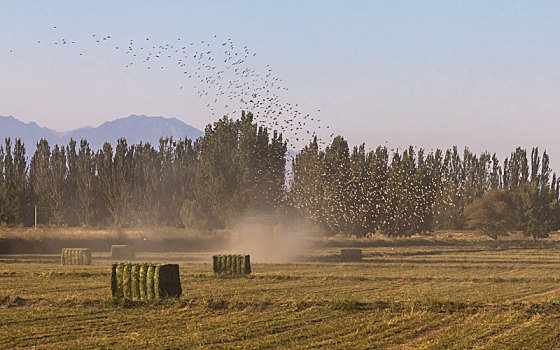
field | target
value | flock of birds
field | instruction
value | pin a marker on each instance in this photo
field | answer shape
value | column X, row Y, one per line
column 220, row 72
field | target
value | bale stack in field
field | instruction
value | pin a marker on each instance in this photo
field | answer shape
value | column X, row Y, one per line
column 232, row 265
column 145, row 281
column 351, row 255
column 75, row 256
column 122, row 252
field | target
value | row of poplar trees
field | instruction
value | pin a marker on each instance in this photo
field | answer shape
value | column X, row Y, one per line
column 239, row 168
column 236, row 167
column 406, row 192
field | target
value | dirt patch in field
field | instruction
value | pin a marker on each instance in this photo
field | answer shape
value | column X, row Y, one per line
column 11, row 274
column 23, row 302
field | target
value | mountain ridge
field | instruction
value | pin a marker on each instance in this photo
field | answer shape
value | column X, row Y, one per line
column 135, row 128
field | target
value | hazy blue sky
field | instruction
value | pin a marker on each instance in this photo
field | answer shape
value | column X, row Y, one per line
column 429, row 73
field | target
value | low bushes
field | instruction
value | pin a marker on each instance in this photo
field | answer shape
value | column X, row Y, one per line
column 232, row 265
column 75, row 256
column 350, row 255
column 145, row 281
column 122, row 252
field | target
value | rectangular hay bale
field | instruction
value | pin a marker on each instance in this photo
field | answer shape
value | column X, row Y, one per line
column 119, row 270
column 150, row 294
column 75, row 256
column 122, row 252
column 231, row 265
column 143, row 273
column 127, row 290
column 145, row 281
column 135, row 281
column 351, row 255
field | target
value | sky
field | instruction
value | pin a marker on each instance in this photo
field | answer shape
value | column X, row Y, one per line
column 433, row 74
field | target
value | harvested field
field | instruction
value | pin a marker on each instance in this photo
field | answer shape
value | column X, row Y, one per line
column 476, row 296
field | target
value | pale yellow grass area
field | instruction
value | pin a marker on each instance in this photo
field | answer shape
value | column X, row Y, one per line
column 156, row 232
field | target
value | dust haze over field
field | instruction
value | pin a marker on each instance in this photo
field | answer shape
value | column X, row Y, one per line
column 271, row 239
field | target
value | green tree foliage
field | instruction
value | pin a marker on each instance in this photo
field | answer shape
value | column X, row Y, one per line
column 86, row 184
column 239, row 168
column 14, row 185
column 537, row 200
column 493, row 214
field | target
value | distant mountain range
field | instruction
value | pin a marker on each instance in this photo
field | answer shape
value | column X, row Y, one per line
column 135, row 128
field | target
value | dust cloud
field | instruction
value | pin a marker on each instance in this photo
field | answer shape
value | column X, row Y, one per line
column 271, row 239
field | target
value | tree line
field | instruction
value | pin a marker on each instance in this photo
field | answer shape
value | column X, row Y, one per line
column 239, row 168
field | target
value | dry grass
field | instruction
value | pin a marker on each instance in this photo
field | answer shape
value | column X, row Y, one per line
column 398, row 298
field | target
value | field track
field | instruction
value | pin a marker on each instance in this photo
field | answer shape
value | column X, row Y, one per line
column 433, row 297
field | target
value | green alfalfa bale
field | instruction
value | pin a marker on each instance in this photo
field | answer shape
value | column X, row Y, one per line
column 166, row 281
column 219, row 263
column 114, row 281
column 234, row 264
column 156, row 281
column 63, row 256
column 247, row 264
column 150, row 293
column 75, row 256
column 86, row 258
column 215, row 264
column 122, row 252
column 351, row 255
column 127, row 288
column 142, row 275
column 119, row 273
column 239, row 264
column 135, row 281
column 229, row 264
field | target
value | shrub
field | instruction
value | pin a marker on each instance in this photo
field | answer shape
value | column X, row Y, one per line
column 348, row 303
column 493, row 214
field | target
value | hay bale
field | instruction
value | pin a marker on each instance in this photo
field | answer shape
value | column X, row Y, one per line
column 145, row 281
column 122, row 252
column 247, row 264
column 127, row 290
column 114, row 280
column 75, row 256
column 351, row 255
column 215, row 265
column 228, row 265
column 150, row 293
column 119, row 272
column 168, row 282
column 231, row 265
column 135, row 281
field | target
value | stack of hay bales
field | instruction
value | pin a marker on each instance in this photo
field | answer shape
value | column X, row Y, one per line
column 351, row 255
column 75, row 256
column 145, row 281
column 232, row 265
column 122, row 252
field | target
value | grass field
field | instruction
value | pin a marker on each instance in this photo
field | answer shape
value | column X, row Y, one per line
column 478, row 296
